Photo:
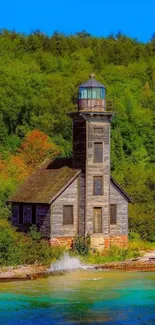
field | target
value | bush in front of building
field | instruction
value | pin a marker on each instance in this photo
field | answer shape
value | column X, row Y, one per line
column 19, row 249
column 81, row 244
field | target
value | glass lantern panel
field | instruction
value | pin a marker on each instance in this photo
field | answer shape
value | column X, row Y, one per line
column 84, row 93
column 94, row 93
column 102, row 93
column 89, row 93
column 98, row 93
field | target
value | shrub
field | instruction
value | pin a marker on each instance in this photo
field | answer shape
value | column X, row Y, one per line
column 134, row 235
column 142, row 224
column 81, row 244
column 34, row 233
column 17, row 248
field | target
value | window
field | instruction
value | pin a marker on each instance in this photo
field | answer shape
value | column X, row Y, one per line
column 98, row 185
column 68, row 215
column 102, row 93
column 27, row 213
column 113, row 214
column 34, row 214
column 91, row 93
column 15, row 214
column 98, row 130
column 98, row 152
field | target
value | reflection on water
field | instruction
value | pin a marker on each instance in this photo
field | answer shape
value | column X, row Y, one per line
column 80, row 298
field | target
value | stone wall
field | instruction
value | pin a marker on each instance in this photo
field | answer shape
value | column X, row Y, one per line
column 100, row 243
column 62, row 241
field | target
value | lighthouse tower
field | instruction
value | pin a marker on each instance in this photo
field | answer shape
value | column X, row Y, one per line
column 77, row 196
column 91, row 153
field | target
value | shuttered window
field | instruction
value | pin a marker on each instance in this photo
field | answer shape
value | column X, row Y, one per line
column 98, row 185
column 113, row 214
column 98, row 152
column 68, row 215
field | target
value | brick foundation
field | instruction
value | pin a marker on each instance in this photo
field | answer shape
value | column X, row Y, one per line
column 61, row 241
column 100, row 243
column 121, row 241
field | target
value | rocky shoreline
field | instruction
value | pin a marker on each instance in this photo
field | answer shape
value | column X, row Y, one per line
column 31, row 272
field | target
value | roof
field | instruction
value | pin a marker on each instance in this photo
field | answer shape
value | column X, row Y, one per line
column 130, row 200
column 92, row 83
column 47, row 183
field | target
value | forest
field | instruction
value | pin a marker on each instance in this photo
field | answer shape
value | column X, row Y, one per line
column 39, row 79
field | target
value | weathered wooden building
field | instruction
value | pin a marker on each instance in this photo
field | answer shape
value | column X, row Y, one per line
column 73, row 196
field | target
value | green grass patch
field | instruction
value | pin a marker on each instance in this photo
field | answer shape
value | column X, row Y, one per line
column 113, row 254
column 141, row 245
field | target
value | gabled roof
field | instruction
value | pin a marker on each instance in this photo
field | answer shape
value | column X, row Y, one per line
column 92, row 83
column 47, row 183
column 130, row 200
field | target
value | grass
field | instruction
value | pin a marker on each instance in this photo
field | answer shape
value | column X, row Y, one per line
column 136, row 248
column 141, row 245
column 113, row 254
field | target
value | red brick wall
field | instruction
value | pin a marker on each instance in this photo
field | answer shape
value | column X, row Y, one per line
column 61, row 241
column 121, row 241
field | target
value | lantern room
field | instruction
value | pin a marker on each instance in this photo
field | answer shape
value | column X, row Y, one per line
column 91, row 96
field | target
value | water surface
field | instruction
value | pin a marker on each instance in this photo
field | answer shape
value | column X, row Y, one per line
column 80, row 298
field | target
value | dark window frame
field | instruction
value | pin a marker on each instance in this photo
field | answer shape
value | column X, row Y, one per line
column 98, row 155
column 95, row 188
column 98, row 130
column 34, row 221
column 113, row 214
column 63, row 221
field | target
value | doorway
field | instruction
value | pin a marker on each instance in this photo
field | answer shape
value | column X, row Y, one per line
column 97, row 220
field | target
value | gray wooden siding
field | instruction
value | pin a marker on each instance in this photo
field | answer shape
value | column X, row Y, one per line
column 68, row 197
column 81, row 204
column 79, row 143
column 116, row 197
column 43, row 212
column 98, row 169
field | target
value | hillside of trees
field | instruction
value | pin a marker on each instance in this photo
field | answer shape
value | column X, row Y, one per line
column 39, row 79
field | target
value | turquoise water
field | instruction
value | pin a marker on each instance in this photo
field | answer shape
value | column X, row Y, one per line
column 80, row 298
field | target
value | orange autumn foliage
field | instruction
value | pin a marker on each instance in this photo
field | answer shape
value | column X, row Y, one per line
column 17, row 168
column 35, row 148
column 14, row 168
column 3, row 165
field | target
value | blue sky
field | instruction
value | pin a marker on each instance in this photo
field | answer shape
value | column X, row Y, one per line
column 135, row 18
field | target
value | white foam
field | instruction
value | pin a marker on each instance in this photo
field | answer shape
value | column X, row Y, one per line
column 67, row 263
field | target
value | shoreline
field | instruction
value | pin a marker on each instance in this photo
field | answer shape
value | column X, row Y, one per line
column 32, row 272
